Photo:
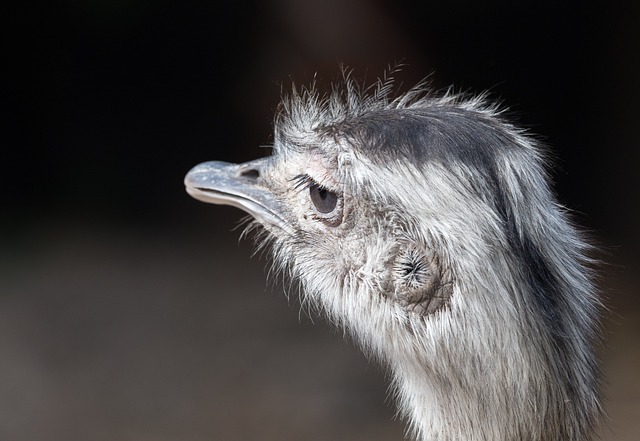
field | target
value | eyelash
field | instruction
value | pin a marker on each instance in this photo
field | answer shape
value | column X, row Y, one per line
column 304, row 181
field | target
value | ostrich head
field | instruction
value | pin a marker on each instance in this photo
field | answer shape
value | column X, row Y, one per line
column 425, row 227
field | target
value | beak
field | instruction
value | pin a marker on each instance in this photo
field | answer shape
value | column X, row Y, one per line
column 238, row 185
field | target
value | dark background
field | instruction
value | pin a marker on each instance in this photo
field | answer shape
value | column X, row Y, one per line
column 129, row 311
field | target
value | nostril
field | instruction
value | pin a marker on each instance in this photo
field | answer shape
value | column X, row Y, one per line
column 251, row 173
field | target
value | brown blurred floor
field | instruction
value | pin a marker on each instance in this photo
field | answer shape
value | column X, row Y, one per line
column 116, row 334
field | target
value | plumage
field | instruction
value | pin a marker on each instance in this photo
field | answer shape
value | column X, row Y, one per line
column 425, row 226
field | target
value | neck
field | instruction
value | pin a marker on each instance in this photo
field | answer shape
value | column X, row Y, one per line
column 446, row 408
column 479, row 392
column 491, row 380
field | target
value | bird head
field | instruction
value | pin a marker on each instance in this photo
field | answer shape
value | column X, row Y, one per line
column 373, row 204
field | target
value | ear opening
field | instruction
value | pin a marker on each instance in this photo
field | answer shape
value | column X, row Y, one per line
column 421, row 281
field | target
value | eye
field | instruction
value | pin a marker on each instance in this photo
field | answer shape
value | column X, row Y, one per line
column 326, row 204
column 324, row 200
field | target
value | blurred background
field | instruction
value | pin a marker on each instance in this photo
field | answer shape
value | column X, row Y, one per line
column 129, row 311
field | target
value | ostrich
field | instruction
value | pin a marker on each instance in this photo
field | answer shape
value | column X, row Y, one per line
column 423, row 224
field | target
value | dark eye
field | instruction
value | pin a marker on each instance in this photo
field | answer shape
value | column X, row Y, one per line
column 324, row 200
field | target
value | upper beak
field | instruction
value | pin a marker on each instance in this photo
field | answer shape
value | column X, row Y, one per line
column 239, row 185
